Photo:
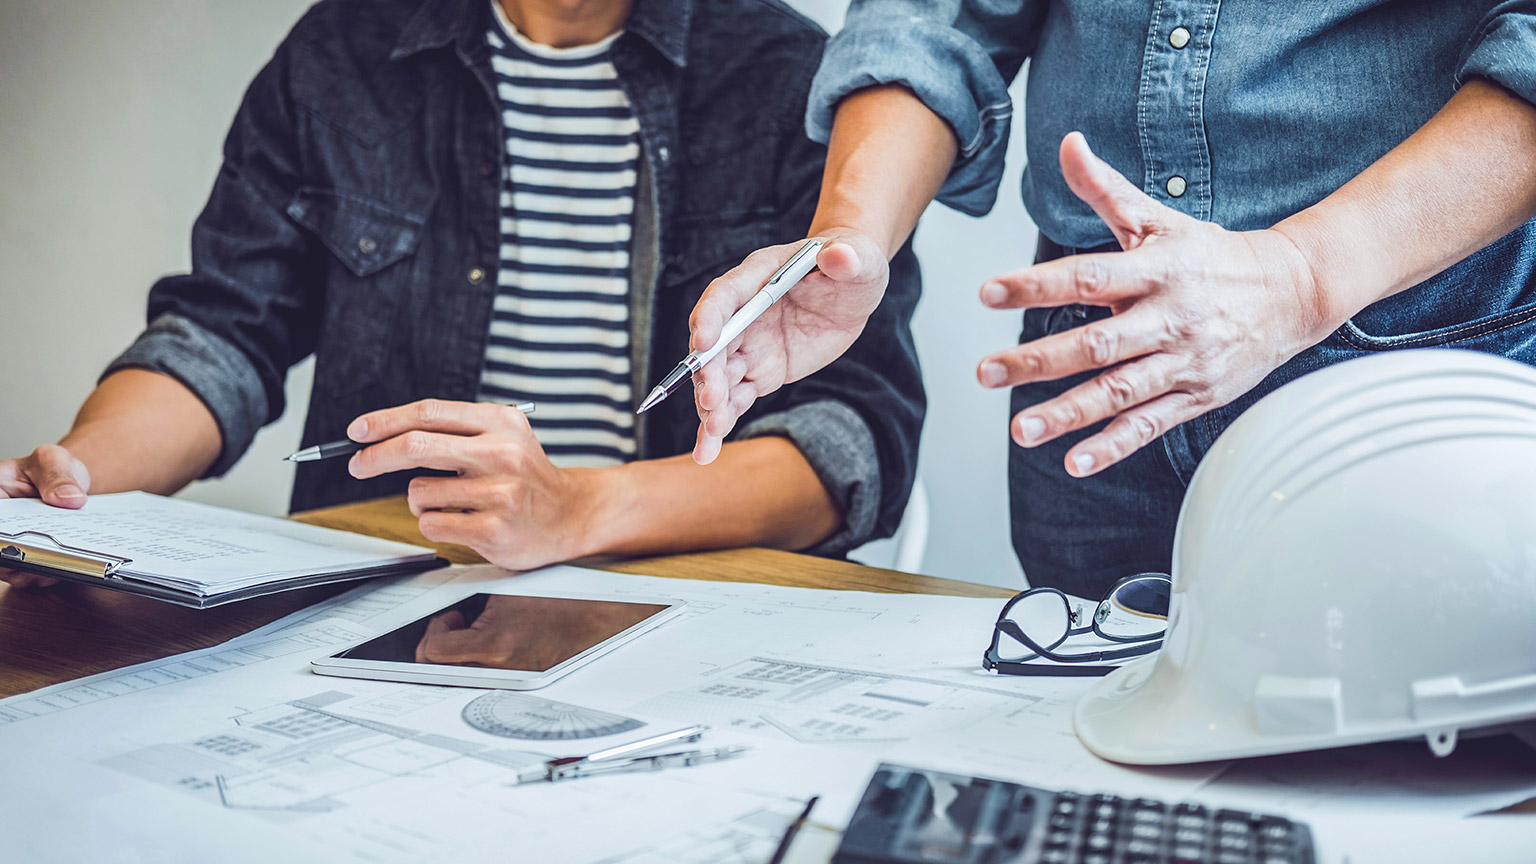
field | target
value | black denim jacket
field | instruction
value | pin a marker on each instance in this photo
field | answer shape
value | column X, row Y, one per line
column 356, row 218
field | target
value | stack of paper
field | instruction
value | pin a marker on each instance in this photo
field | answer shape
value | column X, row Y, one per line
column 189, row 553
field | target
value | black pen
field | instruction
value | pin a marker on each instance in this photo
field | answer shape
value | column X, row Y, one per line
column 346, row 447
column 792, row 830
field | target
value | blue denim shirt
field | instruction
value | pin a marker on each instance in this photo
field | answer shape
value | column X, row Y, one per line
column 356, row 218
column 1260, row 108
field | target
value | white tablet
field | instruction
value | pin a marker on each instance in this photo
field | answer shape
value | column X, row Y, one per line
column 509, row 641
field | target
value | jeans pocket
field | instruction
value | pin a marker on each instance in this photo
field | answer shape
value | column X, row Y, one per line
column 1498, row 333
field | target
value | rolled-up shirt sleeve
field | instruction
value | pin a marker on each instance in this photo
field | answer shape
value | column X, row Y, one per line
column 1504, row 49
column 840, row 448
column 215, row 371
column 957, row 56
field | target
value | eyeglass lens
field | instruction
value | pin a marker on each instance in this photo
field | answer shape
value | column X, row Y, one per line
column 1137, row 607
column 1043, row 616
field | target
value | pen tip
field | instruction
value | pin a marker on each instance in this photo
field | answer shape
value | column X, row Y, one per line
column 650, row 401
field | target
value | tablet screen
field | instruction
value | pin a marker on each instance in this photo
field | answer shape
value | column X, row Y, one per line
column 506, row 631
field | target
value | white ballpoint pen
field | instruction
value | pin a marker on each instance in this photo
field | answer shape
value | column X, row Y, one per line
column 796, row 268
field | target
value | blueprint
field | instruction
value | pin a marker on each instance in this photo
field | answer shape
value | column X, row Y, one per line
column 238, row 752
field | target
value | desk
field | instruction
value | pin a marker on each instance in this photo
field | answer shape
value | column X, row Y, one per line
column 73, row 631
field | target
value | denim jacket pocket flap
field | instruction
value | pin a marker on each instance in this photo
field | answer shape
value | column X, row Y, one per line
column 366, row 235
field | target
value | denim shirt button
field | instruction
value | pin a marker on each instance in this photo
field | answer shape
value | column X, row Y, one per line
column 1176, row 186
column 663, row 154
column 1179, row 37
column 476, row 275
column 367, row 246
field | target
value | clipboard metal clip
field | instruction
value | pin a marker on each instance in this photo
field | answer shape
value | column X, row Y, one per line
column 70, row 559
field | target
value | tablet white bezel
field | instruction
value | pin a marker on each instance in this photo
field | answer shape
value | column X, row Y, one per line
column 478, row 676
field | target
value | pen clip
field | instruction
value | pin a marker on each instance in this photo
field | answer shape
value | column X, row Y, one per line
column 811, row 247
column 71, row 559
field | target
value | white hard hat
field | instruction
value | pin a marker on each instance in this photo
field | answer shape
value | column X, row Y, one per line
column 1355, row 561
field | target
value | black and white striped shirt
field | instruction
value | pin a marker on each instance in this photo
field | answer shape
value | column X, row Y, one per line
column 560, row 331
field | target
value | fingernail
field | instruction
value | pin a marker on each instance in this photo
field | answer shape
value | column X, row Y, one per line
column 1084, row 462
column 992, row 373
column 1031, row 428
column 352, row 465
column 357, row 429
column 993, row 293
column 68, row 492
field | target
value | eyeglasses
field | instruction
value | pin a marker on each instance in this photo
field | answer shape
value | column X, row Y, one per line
column 1036, row 622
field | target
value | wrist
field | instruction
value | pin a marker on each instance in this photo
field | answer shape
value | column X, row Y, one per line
column 602, row 500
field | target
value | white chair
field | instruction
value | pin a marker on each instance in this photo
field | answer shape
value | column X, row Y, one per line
column 903, row 550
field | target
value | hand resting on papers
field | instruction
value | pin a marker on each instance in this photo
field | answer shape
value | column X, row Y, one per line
column 53, row 474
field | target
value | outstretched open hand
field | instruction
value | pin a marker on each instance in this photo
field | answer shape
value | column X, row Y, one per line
column 1200, row 315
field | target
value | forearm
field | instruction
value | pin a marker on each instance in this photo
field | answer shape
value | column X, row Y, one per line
column 759, row 492
column 887, row 158
column 143, row 430
column 1465, row 179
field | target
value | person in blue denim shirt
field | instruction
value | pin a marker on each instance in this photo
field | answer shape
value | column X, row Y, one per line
column 1229, row 195
column 412, row 186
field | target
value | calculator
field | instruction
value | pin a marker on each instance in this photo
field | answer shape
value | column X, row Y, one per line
column 915, row 816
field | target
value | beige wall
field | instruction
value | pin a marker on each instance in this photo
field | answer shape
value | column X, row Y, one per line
column 111, row 118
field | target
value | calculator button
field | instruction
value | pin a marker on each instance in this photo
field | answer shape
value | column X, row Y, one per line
column 1190, row 836
column 1147, row 817
column 1275, row 831
column 1061, row 821
column 1235, row 842
column 1097, row 858
column 1102, row 826
column 1058, row 838
column 1055, row 856
column 1188, row 820
column 1065, row 806
column 1141, row 847
column 1187, row 855
column 1272, row 858
column 1098, row 842
column 1146, row 832
column 1141, row 858
column 1228, row 856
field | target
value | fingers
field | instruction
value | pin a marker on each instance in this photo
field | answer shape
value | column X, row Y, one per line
column 852, row 257
column 1081, row 349
column 1131, row 431
column 59, row 478
column 475, row 530
column 426, row 494
column 1107, row 395
column 1099, row 279
column 1130, row 213
column 731, row 291
column 435, row 415
column 415, row 450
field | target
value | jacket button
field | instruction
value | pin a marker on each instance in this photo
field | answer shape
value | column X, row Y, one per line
column 367, row 246
column 1176, row 186
column 476, row 275
column 1179, row 37
column 663, row 154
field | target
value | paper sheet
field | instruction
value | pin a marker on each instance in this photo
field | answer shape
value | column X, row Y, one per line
column 194, row 546
column 287, row 763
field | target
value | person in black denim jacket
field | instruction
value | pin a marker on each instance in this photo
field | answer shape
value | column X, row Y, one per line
column 356, row 218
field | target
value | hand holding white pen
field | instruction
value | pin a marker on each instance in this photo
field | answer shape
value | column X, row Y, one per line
column 786, row 277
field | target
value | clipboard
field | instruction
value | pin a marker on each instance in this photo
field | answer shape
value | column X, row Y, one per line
column 19, row 554
column 296, row 555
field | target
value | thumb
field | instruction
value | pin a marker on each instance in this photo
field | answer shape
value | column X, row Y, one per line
column 851, row 258
column 61, row 479
column 1129, row 212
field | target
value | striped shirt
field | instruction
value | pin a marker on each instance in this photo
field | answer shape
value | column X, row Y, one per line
column 560, row 329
